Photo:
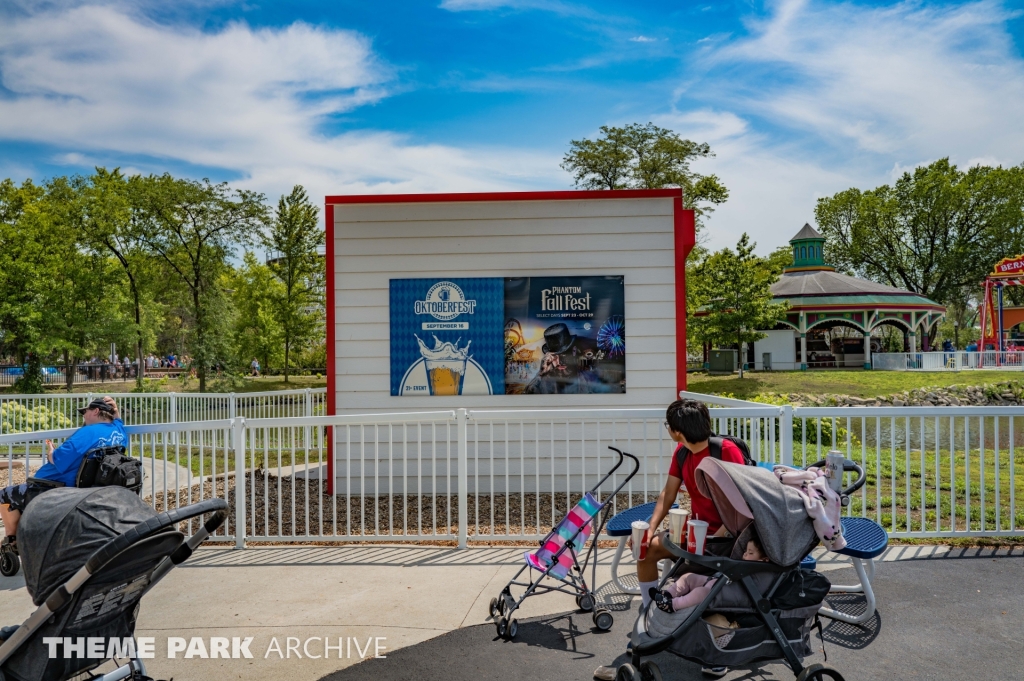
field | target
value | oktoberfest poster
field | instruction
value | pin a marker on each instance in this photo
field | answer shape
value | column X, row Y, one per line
column 521, row 335
column 446, row 336
column 565, row 335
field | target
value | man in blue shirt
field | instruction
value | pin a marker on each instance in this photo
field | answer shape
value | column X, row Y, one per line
column 102, row 428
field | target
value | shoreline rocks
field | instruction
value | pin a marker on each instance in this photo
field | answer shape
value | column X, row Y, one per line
column 995, row 394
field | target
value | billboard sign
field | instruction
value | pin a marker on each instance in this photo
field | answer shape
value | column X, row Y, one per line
column 565, row 335
column 522, row 335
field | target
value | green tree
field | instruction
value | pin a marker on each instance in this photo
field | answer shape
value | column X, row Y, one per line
column 23, row 249
column 194, row 228
column 257, row 331
column 733, row 292
column 935, row 231
column 292, row 243
column 644, row 157
column 79, row 290
column 116, row 223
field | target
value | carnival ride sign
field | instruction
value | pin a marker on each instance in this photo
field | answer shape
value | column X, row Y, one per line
column 1009, row 266
column 518, row 335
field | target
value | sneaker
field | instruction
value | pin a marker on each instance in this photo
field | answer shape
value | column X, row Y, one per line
column 606, row 673
column 9, row 543
column 714, row 672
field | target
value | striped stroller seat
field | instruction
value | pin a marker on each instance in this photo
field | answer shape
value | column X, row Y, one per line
column 559, row 558
column 574, row 530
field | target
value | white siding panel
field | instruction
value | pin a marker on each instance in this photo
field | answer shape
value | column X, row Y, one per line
column 481, row 262
column 463, row 229
column 575, row 265
column 423, row 213
column 635, row 294
column 374, row 243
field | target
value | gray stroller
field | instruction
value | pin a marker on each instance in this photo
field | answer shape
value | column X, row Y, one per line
column 90, row 555
column 771, row 606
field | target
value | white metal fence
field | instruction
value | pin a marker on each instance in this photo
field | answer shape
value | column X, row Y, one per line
column 511, row 475
column 947, row 361
column 26, row 413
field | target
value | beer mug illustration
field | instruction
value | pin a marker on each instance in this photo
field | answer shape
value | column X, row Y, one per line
column 446, row 366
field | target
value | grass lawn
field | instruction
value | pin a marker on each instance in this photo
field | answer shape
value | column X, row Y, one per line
column 852, row 382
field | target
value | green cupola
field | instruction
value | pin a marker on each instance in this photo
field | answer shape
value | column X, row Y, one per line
column 808, row 251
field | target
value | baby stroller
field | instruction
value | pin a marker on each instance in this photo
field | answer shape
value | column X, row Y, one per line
column 773, row 604
column 100, row 467
column 558, row 558
column 90, row 555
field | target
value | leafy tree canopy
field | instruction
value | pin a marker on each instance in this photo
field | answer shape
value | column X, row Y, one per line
column 644, row 157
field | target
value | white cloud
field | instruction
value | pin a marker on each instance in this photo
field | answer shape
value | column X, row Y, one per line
column 642, row 39
column 97, row 81
column 819, row 98
column 907, row 81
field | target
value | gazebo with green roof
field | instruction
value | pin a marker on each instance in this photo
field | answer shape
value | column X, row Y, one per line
column 820, row 298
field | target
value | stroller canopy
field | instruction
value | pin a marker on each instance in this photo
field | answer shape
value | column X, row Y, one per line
column 745, row 494
column 63, row 527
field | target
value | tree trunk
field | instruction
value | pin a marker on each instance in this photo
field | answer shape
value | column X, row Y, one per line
column 739, row 351
column 141, row 370
column 199, row 357
column 287, row 347
column 69, row 371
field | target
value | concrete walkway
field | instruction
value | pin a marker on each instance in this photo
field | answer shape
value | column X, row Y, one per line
column 404, row 595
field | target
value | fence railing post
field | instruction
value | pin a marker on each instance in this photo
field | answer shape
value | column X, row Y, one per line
column 238, row 435
column 172, row 415
column 786, row 434
column 461, row 419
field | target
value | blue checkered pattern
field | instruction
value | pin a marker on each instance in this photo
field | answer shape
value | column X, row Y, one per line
column 486, row 326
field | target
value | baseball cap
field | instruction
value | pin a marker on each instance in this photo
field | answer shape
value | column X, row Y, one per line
column 98, row 403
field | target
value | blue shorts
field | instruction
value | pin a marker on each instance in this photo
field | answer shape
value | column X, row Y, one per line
column 18, row 496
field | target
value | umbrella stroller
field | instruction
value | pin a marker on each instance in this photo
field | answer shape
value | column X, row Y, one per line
column 770, row 607
column 558, row 558
column 89, row 556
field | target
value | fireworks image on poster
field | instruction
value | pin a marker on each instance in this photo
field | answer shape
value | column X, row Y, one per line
column 611, row 337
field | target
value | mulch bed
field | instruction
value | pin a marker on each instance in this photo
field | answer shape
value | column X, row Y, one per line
column 280, row 508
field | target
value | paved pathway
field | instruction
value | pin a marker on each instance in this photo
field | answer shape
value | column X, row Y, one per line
column 939, row 610
column 938, row 619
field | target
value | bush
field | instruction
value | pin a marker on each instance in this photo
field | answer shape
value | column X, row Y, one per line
column 17, row 418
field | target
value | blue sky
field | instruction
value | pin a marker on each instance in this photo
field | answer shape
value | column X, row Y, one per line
column 798, row 98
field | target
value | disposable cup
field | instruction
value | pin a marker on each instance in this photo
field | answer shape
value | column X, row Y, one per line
column 834, row 469
column 698, row 533
column 676, row 524
column 640, row 528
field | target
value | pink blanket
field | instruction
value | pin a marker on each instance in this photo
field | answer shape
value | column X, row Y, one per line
column 823, row 504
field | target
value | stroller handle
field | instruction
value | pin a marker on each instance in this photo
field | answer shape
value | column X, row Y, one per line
column 156, row 524
column 848, row 467
column 622, row 455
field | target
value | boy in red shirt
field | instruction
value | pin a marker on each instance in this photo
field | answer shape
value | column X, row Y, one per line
column 688, row 423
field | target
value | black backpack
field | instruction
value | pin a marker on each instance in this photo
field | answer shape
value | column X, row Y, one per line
column 109, row 466
column 715, row 449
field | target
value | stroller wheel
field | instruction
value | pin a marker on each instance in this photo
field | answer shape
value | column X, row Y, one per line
column 502, row 627
column 585, row 602
column 628, row 672
column 649, row 671
column 493, row 608
column 603, row 620
column 819, row 672
column 10, row 563
column 513, row 629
